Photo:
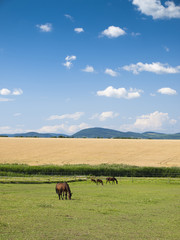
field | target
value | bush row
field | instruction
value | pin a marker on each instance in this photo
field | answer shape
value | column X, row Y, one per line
column 98, row 170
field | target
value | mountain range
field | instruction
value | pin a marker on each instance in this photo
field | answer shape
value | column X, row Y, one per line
column 98, row 133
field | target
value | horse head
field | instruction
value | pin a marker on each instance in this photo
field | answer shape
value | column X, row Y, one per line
column 69, row 195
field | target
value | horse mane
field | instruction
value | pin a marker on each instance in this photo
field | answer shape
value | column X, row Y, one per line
column 68, row 188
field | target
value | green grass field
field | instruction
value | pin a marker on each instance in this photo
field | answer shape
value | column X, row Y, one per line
column 142, row 209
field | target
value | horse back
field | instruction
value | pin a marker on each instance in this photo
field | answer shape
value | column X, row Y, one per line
column 62, row 187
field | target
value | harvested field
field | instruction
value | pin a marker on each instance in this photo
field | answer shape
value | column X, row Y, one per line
column 42, row 151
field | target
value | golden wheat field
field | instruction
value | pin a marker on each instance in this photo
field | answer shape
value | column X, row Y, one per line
column 41, row 151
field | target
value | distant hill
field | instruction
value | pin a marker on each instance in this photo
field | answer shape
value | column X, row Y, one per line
column 99, row 133
column 109, row 133
column 34, row 134
column 104, row 133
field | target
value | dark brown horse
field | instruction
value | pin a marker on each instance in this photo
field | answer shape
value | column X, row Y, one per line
column 93, row 180
column 62, row 188
column 111, row 179
column 99, row 181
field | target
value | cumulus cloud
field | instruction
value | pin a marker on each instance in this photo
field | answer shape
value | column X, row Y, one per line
column 10, row 130
column 88, row 69
column 74, row 116
column 113, row 32
column 105, row 115
column 75, row 128
column 150, row 122
column 5, row 91
column 155, row 9
column 111, row 72
column 44, row 27
column 155, row 67
column 70, row 129
column 17, row 91
column 167, row 91
column 79, row 30
column 69, row 60
column 120, row 93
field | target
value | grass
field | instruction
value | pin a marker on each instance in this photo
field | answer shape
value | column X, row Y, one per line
column 140, row 210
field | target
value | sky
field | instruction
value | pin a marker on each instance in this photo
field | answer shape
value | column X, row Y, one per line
column 67, row 65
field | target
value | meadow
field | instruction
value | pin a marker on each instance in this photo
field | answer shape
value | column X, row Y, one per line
column 139, row 210
column 57, row 151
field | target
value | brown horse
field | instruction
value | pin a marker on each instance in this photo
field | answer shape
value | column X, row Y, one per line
column 93, row 180
column 111, row 179
column 62, row 188
column 99, row 181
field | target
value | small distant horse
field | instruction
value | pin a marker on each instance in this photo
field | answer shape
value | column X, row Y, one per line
column 62, row 188
column 93, row 180
column 99, row 181
column 111, row 179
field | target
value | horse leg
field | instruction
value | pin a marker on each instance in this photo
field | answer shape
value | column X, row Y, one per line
column 66, row 195
column 63, row 195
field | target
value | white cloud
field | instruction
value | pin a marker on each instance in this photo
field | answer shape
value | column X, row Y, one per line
column 168, row 91
column 45, row 27
column 88, row 69
column 172, row 121
column 6, row 100
column 155, row 9
column 5, row 91
column 153, row 121
column 150, row 122
column 17, row 91
column 69, row 60
column 157, row 67
column 10, row 130
column 120, row 93
column 111, row 72
column 63, row 127
column 79, row 30
column 135, row 34
column 74, row 116
column 75, row 128
column 69, row 17
column 113, row 32
column 105, row 115
column 67, row 64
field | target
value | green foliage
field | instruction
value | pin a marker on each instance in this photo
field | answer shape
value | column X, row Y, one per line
column 97, row 170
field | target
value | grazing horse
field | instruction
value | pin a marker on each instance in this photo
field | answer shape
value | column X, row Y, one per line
column 111, row 179
column 93, row 180
column 62, row 188
column 99, row 181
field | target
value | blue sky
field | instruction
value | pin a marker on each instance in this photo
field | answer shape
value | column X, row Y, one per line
column 72, row 64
